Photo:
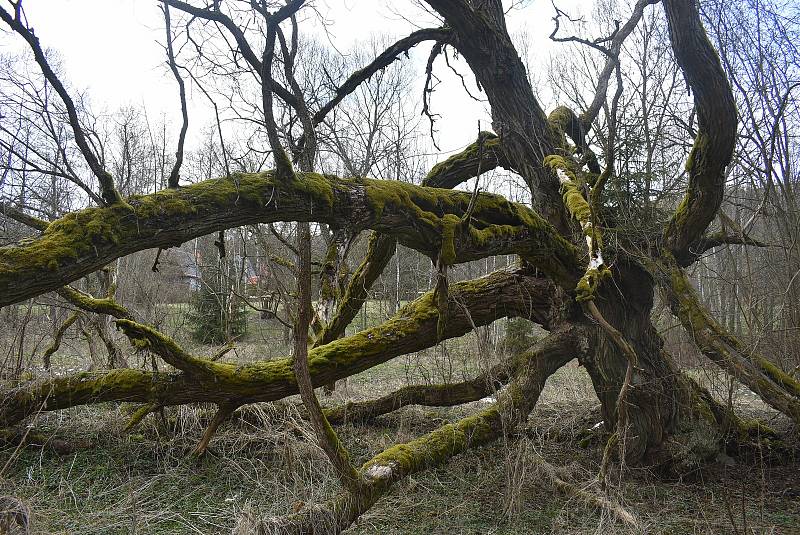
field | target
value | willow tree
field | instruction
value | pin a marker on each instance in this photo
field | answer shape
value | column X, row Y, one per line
column 590, row 284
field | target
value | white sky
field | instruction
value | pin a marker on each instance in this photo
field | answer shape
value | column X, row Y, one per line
column 111, row 48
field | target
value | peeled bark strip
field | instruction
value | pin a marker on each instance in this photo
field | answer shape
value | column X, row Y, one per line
column 82, row 242
column 398, row 462
column 501, row 294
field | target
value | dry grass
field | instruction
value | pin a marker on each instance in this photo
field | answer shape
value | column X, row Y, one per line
column 266, row 463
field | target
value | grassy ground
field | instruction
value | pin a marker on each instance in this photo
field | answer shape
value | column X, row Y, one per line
column 266, row 463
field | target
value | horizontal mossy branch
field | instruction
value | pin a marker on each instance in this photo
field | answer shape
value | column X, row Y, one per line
column 11, row 212
column 435, row 448
column 145, row 337
column 85, row 301
column 433, row 395
column 762, row 377
column 82, row 242
column 414, row 327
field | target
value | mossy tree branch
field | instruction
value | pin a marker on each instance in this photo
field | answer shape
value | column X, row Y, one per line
column 434, row 395
column 381, row 248
column 563, row 121
column 775, row 387
column 483, row 155
column 82, row 242
column 145, row 337
column 85, row 301
column 716, row 134
column 402, row 460
column 22, row 217
column 504, row 293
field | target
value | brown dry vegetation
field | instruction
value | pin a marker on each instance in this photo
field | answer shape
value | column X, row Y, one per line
column 101, row 479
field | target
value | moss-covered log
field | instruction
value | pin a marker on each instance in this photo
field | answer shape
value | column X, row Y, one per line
column 414, row 327
column 82, row 242
column 437, row 447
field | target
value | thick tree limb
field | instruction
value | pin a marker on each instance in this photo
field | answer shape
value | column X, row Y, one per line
column 414, row 327
column 716, row 135
column 439, row 395
column 447, row 174
column 19, row 216
column 84, row 241
column 765, row 379
column 437, row 447
column 481, row 36
column 483, row 155
column 716, row 239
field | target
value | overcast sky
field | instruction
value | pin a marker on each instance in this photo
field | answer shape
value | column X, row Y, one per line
column 111, row 48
